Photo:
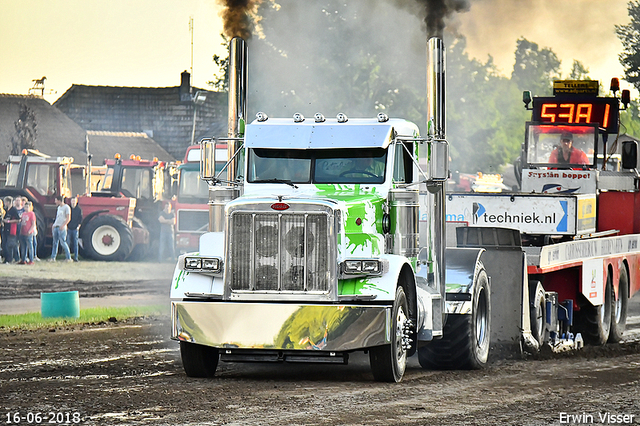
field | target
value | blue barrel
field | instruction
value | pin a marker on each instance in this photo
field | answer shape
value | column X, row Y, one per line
column 60, row 304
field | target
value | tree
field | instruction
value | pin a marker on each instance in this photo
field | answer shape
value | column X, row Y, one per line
column 630, row 119
column 629, row 35
column 579, row 71
column 26, row 133
column 220, row 80
column 535, row 68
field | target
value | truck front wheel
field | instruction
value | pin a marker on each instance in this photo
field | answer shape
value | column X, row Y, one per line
column 198, row 360
column 107, row 238
column 465, row 341
column 388, row 362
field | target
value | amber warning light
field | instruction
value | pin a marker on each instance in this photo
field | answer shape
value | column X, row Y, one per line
column 279, row 206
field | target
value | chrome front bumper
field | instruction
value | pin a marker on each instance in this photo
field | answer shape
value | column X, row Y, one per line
column 281, row 326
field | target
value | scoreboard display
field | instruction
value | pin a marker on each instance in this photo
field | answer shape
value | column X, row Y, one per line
column 577, row 110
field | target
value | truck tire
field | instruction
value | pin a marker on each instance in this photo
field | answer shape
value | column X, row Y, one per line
column 140, row 251
column 389, row 362
column 619, row 310
column 42, row 250
column 466, row 338
column 594, row 322
column 198, row 360
column 537, row 311
column 107, row 237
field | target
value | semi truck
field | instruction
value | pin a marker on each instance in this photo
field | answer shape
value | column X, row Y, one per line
column 337, row 235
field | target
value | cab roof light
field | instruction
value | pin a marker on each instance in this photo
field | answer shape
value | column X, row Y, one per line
column 117, row 156
column 319, row 118
column 298, row 118
column 342, row 118
column 132, row 157
column 261, row 117
column 615, row 85
column 382, row 117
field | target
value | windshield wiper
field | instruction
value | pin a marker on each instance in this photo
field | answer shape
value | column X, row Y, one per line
column 287, row 181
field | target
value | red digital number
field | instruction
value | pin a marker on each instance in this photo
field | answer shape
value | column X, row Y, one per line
column 544, row 114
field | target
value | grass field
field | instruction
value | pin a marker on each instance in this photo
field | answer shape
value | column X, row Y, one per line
column 34, row 320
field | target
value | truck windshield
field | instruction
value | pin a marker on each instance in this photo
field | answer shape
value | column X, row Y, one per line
column 193, row 190
column 317, row 166
column 561, row 146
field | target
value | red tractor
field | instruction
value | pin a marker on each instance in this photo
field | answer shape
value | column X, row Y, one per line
column 147, row 183
column 107, row 231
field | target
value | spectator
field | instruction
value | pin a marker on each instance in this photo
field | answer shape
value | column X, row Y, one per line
column 59, row 229
column 12, row 220
column 167, row 219
column 2, row 213
column 7, row 201
column 72, row 232
column 27, row 230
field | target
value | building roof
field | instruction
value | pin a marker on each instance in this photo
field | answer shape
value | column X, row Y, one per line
column 103, row 144
column 57, row 134
column 166, row 114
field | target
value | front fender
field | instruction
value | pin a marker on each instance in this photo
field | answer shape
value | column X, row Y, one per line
column 462, row 266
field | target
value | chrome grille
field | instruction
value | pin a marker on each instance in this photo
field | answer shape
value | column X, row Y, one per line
column 193, row 221
column 286, row 252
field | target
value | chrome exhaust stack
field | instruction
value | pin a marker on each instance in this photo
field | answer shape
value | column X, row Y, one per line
column 434, row 161
column 436, row 88
column 238, row 80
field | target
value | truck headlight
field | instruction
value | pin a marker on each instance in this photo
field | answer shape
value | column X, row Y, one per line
column 202, row 264
column 362, row 267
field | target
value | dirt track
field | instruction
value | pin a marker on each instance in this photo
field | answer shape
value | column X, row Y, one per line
column 130, row 373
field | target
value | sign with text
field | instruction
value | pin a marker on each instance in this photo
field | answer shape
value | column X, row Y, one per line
column 530, row 214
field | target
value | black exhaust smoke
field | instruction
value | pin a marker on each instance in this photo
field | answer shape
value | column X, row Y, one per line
column 236, row 17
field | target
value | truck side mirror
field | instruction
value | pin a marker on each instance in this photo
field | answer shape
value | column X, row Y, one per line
column 629, row 154
column 207, row 159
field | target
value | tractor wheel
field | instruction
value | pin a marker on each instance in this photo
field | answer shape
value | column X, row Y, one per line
column 198, row 360
column 466, row 338
column 388, row 362
column 140, row 251
column 594, row 322
column 107, row 237
column 619, row 310
column 537, row 311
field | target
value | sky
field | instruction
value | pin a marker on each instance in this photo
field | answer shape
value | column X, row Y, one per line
column 147, row 43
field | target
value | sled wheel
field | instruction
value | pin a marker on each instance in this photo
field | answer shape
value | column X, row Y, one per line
column 198, row 360
column 389, row 362
column 594, row 322
column 619, row 310
column 537, row 311
column 466, row 338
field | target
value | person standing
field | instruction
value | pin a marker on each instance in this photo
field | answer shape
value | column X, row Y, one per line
column 27, row 230
column 59, row 229
column 12, row 220
column 167, row 219
column 72, row 227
